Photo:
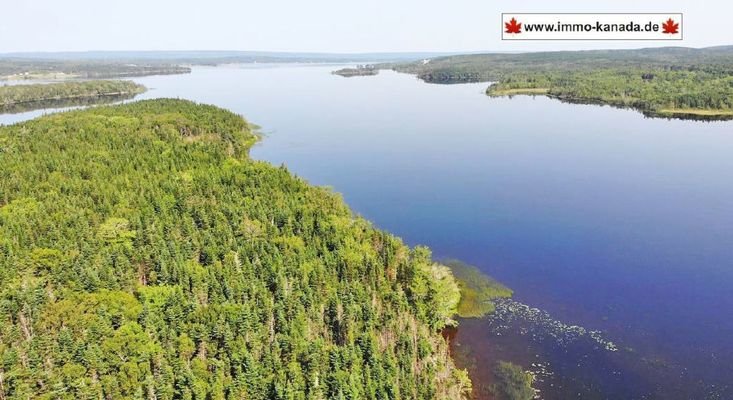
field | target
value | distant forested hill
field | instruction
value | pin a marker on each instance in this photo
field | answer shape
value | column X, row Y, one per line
column 144, row 255
column 495, row 66
column 30, row 68
column 120, row 64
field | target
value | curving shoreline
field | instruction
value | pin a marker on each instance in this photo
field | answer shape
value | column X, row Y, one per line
column 669, row 113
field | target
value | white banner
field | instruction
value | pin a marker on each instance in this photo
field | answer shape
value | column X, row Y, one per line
column 579, row 26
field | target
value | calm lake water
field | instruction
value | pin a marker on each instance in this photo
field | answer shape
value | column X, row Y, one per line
column 598, row 216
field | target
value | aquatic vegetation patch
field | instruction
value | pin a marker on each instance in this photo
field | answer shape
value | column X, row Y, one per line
column 478, row 291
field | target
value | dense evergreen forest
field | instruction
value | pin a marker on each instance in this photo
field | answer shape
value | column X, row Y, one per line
column 661, row 81
column 144, row 255
column 15, row 95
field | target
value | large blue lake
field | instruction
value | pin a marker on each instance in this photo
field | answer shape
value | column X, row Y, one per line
column 599, row 216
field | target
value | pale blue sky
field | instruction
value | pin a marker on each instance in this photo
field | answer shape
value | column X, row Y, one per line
column 319, row 25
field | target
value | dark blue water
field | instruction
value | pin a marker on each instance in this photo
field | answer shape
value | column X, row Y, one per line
column 600, row 216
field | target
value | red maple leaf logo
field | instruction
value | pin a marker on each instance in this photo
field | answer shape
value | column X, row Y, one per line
column 670, row 27
column 513, row 27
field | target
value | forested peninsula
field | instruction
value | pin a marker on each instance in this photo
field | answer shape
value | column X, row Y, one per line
column 667, row 82
column 143, row 254
column 25, row 97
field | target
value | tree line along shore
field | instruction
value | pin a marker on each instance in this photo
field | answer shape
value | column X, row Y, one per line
column 20, row 94
column 666, row 82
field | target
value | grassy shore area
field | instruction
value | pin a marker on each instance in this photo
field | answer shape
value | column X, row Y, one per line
column 693, row 111
column 517, row 91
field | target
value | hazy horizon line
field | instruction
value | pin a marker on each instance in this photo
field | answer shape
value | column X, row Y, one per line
column 329, row 53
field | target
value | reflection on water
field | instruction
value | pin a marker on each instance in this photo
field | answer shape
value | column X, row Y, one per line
column 63, row 103
column 650, row 113
column 568, row 361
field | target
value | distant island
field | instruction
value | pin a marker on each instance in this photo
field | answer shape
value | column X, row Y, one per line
column 659, row 82
column 359, row 70
column 18, row 98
